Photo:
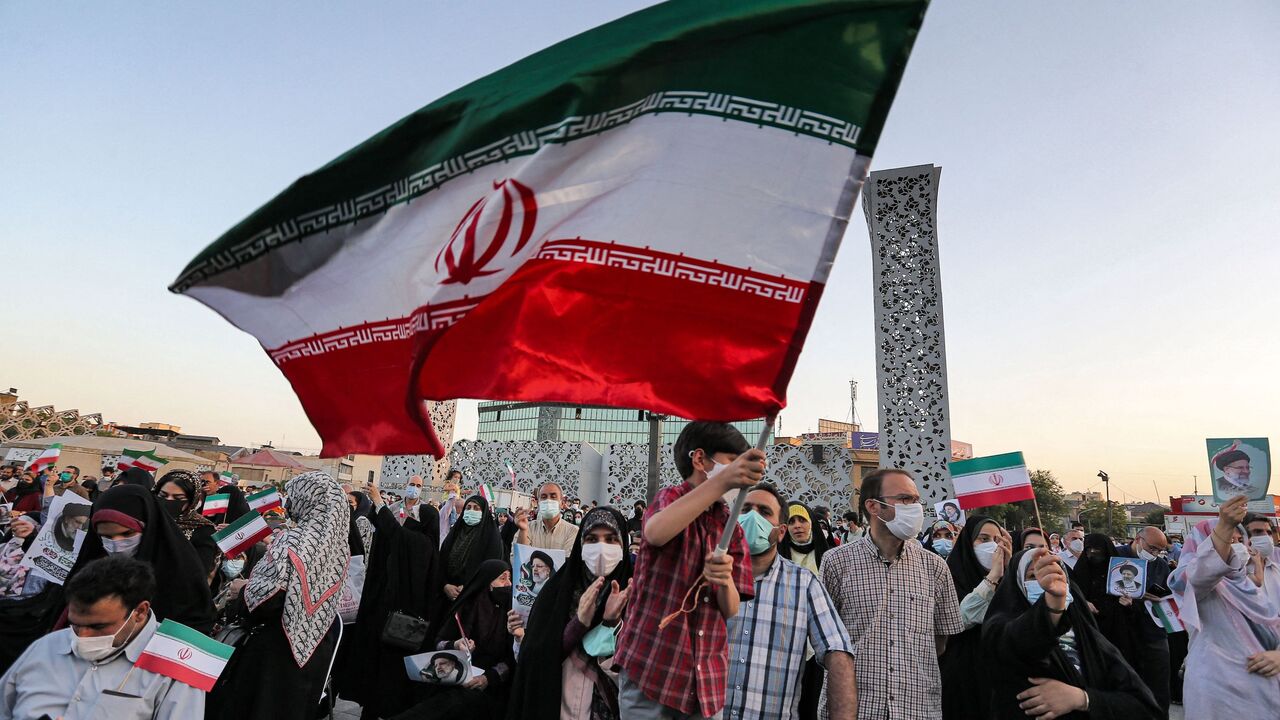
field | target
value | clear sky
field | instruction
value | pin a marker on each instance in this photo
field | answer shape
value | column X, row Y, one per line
column 1108, row 210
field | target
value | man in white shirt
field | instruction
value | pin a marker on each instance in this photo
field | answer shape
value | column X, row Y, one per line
column 87, row 670
column 548, row 530
column 1072, row 547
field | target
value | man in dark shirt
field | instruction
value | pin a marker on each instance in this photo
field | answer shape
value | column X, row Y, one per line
column 1151, row 642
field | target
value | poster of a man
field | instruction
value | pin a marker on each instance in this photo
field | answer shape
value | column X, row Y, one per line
column 536, row 566
column 1240, row 466
column 442, row 667
column 73, row 519
column 950, row 511
column 1127, row 577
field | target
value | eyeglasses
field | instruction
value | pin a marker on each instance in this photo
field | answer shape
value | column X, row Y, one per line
column 900, row 499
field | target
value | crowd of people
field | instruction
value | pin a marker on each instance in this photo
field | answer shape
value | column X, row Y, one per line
column 871, row 614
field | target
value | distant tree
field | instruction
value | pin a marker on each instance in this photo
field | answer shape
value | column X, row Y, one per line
column 1094, row 516
column 1155, row 517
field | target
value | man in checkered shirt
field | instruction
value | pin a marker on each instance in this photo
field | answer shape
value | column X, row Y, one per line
column 769, row 635
column 897, row 601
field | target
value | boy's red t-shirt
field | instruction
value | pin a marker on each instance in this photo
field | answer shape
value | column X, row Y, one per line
column 684, row 665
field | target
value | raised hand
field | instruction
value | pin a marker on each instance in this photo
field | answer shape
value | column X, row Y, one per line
column 587, row 604
column 1051, row 577
column 616, row 604
column 745, row 471
column 718, row 570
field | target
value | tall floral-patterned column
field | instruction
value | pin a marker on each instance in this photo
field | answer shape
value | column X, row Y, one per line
column 915, row 421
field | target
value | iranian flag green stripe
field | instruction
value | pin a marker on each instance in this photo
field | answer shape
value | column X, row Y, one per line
column 568, row 227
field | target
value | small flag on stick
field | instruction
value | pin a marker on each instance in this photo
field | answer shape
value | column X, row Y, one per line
column 993, row 480
column 215, row 504
column 241, row 534
column 1166, row 614
column 46, row 458
column 188, row 656
column 268, row 499
column 486, row 492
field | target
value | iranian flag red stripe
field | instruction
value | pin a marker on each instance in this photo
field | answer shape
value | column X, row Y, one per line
column 641, row 216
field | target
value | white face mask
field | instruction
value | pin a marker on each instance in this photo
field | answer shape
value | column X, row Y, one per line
column 601, row 558
column 1076, row 546
column 548, row 509
column 907, row 520
column 97, row 648
column 123, row 546
column 986, row 554
column 1263, row 545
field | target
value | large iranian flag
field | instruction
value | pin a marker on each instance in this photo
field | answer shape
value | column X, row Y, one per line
column 643, row 215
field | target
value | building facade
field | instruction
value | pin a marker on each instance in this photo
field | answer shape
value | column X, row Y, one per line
column 564, row 422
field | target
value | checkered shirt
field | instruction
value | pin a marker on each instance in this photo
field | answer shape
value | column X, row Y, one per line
column 893, row 609
column 767, row 641
column 684, row 665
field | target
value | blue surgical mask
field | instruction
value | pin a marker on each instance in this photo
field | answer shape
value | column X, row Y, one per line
column 757, row 531
column 413, row 492
column 471, row 517
column 1033, row 592
column 943, row 546
column 233, row 567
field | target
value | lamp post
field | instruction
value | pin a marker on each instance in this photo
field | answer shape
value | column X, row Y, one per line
column 655, row 457
column 1106, row 480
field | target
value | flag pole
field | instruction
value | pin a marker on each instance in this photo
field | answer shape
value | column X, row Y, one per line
column 1039, row 523
column 736, row 509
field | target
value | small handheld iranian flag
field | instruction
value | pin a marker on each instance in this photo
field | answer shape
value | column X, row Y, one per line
column 241, row 534
column 215, row 504
column 512, row 472
column 46, row 458
column 226, row 477
column 185, row 655
column 486, row 492
column 993, row 480
column 268, row 499
column 145, row 459
column 1166, row 614
column 534, row 232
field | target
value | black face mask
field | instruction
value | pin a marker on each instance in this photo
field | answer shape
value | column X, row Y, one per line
column 173, row 508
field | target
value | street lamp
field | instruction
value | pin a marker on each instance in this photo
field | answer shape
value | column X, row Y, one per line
column 1106, row 481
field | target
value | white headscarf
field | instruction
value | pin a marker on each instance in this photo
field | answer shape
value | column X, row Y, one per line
column 308, row 562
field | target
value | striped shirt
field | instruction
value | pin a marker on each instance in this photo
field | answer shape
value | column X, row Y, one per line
column 893, row 609
column 767, row 641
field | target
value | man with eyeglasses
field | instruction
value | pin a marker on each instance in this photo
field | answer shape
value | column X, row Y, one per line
column 1151, row 643
column 897, row 601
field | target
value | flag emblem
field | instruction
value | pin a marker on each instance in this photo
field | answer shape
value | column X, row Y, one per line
column 996, row 479
column 465, row 266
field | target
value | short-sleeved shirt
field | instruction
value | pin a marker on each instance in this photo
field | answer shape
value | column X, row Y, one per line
column 768, row 639
column 684, row 665
column 562, row 536
column 892, row 610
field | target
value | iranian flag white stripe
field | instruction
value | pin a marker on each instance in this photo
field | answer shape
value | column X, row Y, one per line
column 586, row 225
column 46, row 458
column 993, row 480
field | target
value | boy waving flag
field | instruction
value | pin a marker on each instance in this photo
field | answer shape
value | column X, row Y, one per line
column 643, row 215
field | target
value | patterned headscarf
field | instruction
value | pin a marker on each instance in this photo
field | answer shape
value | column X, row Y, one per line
column 308, row 562
column 191, row 519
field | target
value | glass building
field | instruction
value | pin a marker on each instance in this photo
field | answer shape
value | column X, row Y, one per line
column 582, row 423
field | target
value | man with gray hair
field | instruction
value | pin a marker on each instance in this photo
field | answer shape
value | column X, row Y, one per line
column 547, row 530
